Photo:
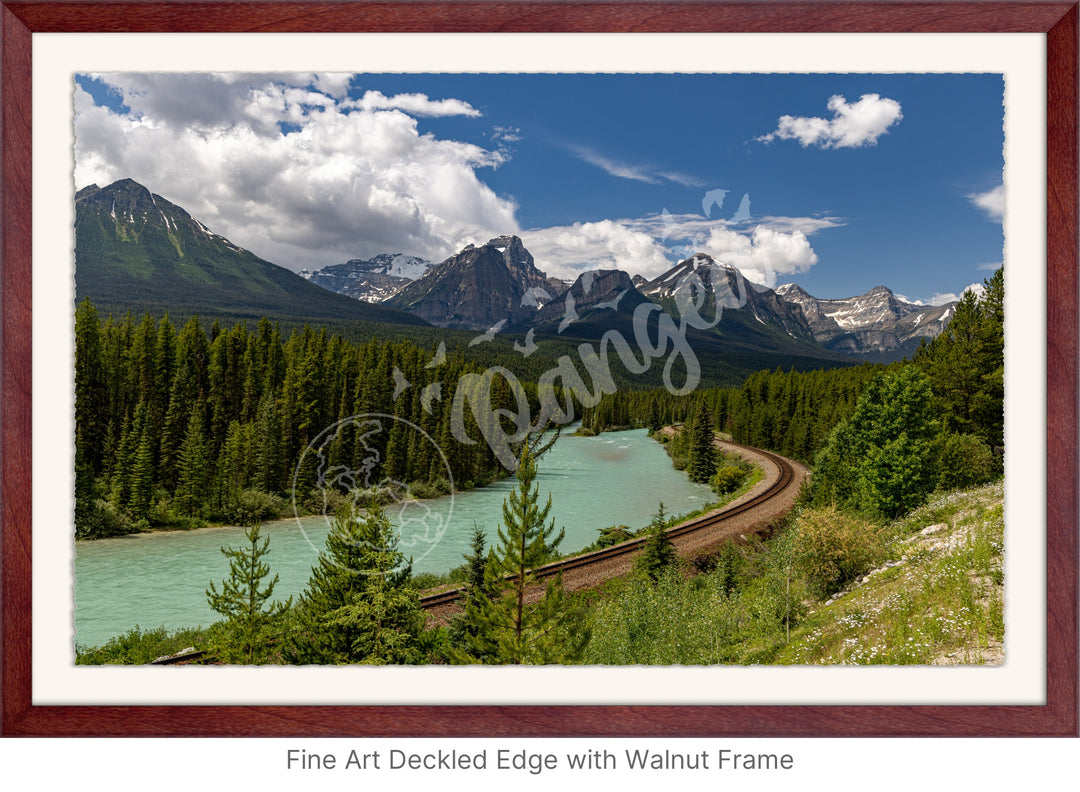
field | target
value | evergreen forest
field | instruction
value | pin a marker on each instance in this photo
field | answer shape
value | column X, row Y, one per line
column 195, row 425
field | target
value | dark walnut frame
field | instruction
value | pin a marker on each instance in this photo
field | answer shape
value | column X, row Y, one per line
column 1058, row 717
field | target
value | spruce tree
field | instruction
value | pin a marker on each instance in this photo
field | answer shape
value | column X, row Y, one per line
column 359, row 588
column 524, row 628
column 243, row 601
column 193, row 468
column 469, row 637
column 880, row 460
column 384, row 621
column 701, row 464
column 141, row 491
column 658, row 553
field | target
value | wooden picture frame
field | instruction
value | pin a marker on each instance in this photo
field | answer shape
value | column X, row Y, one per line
column 1057, row 717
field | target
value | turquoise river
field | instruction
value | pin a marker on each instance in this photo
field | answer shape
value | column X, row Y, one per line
column 160, row 578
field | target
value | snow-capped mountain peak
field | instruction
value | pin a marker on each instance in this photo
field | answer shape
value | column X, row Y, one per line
column 371, row 280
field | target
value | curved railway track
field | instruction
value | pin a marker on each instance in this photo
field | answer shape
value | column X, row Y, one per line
column 784, row 479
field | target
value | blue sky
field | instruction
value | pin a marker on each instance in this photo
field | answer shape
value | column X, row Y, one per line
column 836, row 182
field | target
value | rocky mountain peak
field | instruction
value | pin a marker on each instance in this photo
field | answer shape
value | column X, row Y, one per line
column 371, row 280
column 791, row 291
column 875, row 323
column 479, row 287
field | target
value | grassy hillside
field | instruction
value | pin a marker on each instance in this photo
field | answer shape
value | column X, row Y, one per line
column 938, row 600
column 828, row 590
column 135, row 251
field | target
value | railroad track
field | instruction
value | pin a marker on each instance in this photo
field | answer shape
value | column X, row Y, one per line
column 778, row 487
column 431, row 601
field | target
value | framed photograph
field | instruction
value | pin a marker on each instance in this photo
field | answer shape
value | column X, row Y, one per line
column 535, row 204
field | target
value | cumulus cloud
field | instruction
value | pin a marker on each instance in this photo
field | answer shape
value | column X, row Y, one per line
column 566, row 251
column 992, row 202
column 414, row 104
column 299, row 176
column 942, row 298
column 762, row 255
column 853, row 125
column 294, row 169
column 648, row 246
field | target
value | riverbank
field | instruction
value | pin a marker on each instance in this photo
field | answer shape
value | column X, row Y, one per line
column 159, row 578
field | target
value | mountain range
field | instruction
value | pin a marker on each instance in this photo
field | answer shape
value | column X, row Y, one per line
column 370, row 280
column 498, row 284
column 137, row 251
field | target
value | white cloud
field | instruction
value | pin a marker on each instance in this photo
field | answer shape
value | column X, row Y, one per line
column 284, row 166
column 641, row 246
column 852, row 125
column 506, row 134
column 990, row 266
column 775, row 246
column 764, row 254
column 941, row 298
column 350, row 179
column 695, row 228
column 992, row 202
column 566, row 251
column 414, row 104
column 641, row 173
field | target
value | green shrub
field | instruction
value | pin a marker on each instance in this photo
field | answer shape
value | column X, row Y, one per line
column 833, row 548
column 429, row 489
column 727, row 479
column 102, row 519
column 964, row 461
column 138, row 647
column 253, row 506
column 613, row 535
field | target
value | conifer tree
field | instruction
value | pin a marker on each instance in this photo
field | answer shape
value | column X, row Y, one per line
column 880, row 459
column 141, row 482
column 657, row 554
column 384, row 621
column 243, row 601
column 653, row 420
column 359, row 588
column 526, row 629
column 193, row 468
column 701, row 464
column 470, row 639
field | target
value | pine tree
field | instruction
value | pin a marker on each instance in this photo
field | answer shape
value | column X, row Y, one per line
column 880, row 459
column 384, row 621
column 141, row 488
column 243, row 601
column 523, row 629
column 192, row 489
column 359, row 588
column 653, row 421
column 470, row 639
column 701, row 464
column 657, row 554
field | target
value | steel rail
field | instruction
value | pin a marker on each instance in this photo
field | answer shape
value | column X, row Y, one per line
column 780, row 485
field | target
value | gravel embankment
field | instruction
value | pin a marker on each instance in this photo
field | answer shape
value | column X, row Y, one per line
column 705, row 540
